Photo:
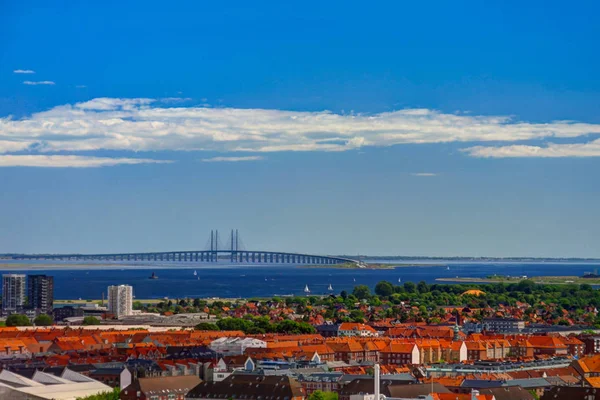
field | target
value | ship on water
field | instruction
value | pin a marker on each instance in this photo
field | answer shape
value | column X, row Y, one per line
column 330, row 288
column 153, row 276
column 306, row 289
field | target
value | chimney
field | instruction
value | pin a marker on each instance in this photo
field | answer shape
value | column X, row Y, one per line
column 376, row 381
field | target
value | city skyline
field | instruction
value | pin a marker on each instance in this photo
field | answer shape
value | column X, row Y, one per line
column 321, row 129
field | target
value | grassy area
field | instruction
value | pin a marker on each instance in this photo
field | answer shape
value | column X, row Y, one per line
column 548, row 280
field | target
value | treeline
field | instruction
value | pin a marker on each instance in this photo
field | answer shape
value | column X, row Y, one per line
column 257, row 325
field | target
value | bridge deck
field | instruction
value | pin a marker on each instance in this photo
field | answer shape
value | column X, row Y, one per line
column 241, row 256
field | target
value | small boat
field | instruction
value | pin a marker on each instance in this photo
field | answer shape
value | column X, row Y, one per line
column 399, row 280
column 266, row 279
column 195, row 273
column 153, row 276
column 354, row 279
column 306, row 289
column 198, row 278
column 447, row 268
column 330, row 288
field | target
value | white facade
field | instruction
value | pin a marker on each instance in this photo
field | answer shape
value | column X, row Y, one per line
column 13, row 292
column 120, row 300
column 228, row 346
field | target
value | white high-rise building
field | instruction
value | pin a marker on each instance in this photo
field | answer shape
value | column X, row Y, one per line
column 13, row 292
column 120, row 300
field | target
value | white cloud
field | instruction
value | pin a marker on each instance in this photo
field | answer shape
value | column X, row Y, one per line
column 590, row 149
column 35, row 83
column 60, row 161
column 233, row 159
column 424, row 174
column 24, row 71
column 142, row 124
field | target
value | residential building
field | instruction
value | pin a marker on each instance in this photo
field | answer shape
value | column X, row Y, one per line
column 113, row 377
column 401, row 353
column 356, row 329
column 13, row 293
column 503, row 324
column 40, row 293
column 325, row 382
column 120, row 300
column 233, row 346
column 61, row 313
column 249, row 387
column 163, row 388
column 328, row 330
column 591, row 343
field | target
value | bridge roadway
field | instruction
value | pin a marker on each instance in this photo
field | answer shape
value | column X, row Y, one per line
column 267, row 257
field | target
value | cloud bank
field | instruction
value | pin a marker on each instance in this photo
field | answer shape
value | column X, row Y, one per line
column 591, row 149
column 60, row 161
column 424, row 174
column 142, row 124
column 233, row 159
column 35, row 83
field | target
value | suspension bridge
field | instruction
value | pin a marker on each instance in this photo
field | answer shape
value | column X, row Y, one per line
column 232, row 251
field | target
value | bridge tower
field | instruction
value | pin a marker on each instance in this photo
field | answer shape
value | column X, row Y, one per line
column 234, row 245
column 214, row 245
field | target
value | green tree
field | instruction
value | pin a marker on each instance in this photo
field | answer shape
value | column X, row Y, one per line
column 361, row 292
column 289, row 326
column 409, row 287
column 137, row 305
column 17, row 320
column 357, row 316
column 207, row 326
column 43, row 320
column 114, row 395
column 384, row 289
column 320, row 395
column 89, row 320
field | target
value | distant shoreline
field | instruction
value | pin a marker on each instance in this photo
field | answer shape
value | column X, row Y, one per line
column 371, row 266
column 544, row 280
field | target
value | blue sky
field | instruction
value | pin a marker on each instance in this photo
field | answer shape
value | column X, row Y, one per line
column 434, row 128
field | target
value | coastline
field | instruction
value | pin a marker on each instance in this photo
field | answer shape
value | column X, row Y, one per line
column 545, row 280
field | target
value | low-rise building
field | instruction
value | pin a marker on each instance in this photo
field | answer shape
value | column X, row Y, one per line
column 62, row 313
column 69, row 385
column 233, row 346
column 401, row 354
column 509, row 325
column 249, row 387
column 163, row 388
column 356, row 329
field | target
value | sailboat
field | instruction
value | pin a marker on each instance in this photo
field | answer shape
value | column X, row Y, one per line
column 448, row 268
column 330, row 288
column 153, row 276
column 354, row 279
column 306, row 289
column 195, row 273
column 399, row 280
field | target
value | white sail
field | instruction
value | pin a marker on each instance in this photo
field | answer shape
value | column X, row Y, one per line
column 330, row 287
column 306, row 289
column 195, row 273
column 399, row 280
